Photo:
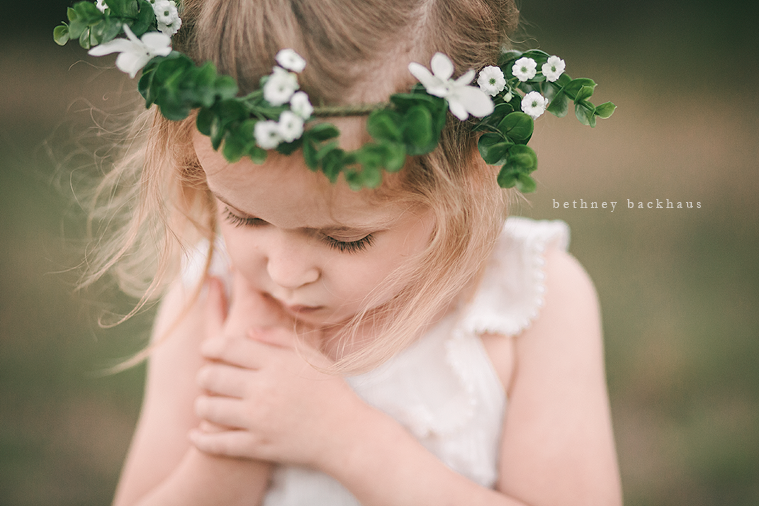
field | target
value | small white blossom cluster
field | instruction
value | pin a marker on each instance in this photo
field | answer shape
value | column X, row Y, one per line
column 279, row 89
column 492, row 81
column 167, row 16
column 525, row 69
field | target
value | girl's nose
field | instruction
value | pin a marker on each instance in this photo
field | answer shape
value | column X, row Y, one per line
column 291, row 267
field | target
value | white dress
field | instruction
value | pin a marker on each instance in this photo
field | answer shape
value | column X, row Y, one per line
column 443, row 388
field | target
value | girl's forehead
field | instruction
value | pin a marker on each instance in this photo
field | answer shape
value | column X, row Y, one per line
column 283, row 191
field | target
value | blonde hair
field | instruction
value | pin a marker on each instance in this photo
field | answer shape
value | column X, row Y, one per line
column 355, row 51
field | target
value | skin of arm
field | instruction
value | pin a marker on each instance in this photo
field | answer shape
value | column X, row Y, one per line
column 557, row 446
column 162, row 466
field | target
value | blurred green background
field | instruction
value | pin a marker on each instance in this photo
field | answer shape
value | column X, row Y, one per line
column 679, row 287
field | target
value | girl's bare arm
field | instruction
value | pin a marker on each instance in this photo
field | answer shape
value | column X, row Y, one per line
column 162, row 466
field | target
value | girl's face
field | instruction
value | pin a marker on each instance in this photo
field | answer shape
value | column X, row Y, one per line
column 317, row 249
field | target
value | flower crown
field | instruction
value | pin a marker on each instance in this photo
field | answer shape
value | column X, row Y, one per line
column 506, row 101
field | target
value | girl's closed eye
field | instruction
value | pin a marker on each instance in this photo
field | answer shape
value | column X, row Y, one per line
column 350, row 246
column 342, row 246
column 240, row 221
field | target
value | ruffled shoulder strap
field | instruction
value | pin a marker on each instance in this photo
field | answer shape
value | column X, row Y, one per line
column 511, row 291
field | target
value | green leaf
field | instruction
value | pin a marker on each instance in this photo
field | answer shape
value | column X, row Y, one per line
column 226, row 87
column 605, row 110
column 145, row 18
column 84, row 39
column 117, row 8
column 257, row 154
column 559, row 106
column 418, row 134
column 493, row 152
column 395, row 157
column 88, row 13
column 371, row 178
column 563, row 80
column 585, row 112
column 489, row 122
column 525, row 183
column 585, row 93
column 507, row 178
column 383, row 124
column 72, row 15
column 61, row 34
column 326, row 149
column 234, row 148
column 217, row 132
column 522, row 159
column 106, row 30
column 309, row 154
column 517, row 126
column 288, row 148
column 204, row 120
column 202, row 80
column 573, row 88
column 405, row 101
column 322, row 132
column 332, row 164
column 174, row 110
column 76, row 29
column 230, row 110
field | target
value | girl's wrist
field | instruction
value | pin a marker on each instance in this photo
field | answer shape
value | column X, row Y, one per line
column 356, row 445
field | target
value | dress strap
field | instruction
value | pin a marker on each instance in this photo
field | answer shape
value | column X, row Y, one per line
column 511, row 292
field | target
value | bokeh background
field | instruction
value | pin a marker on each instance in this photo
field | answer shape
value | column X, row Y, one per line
column 679, row 287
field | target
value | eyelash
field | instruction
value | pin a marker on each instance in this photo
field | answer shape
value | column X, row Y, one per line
column 341, row 246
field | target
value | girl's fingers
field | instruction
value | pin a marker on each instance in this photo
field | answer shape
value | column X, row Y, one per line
column 230, row 443
column 240, row 352
column 216, row 307
column 276, row 336
column 222, row 379
column 221, row 411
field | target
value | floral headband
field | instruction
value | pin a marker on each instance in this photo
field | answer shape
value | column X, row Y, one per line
column 506, row 101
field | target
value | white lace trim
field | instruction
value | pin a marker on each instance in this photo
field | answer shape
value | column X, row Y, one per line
column 513, row 287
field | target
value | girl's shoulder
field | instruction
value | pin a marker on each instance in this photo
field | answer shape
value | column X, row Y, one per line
column 512, row 289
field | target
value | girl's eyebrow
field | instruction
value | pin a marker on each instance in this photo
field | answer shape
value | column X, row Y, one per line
column 333, row 229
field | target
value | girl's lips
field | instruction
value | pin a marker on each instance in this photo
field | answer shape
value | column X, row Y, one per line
column 301, row 309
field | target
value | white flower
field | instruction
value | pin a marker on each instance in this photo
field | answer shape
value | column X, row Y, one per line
column 534, row 104
column 524, row 69
column 290, row 60
column 135, row 53
column 463, row 99
column 165, row 11
column 508, row 96
column 491, row 80
column 101, row 5
column 267, row 134
column 301, row 105
column 280, row 86
column 290, row 126
column 171, row 28
column 553, row 68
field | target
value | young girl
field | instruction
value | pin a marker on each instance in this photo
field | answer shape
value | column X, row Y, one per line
column 402, row 345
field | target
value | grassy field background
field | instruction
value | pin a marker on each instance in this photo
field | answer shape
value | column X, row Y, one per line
column 678, row 287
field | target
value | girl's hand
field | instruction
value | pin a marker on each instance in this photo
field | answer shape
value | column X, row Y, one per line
column 267, row 398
